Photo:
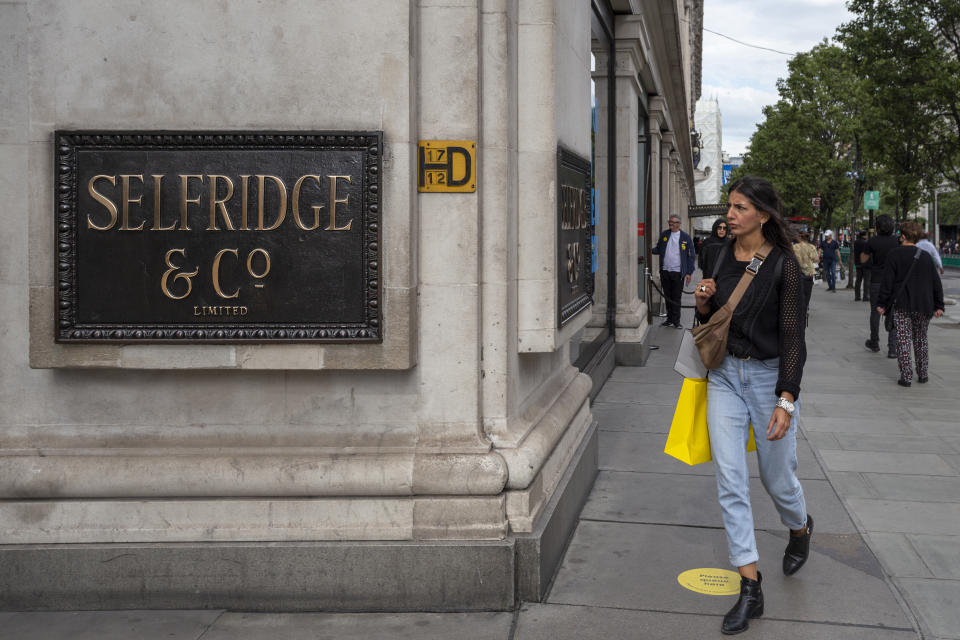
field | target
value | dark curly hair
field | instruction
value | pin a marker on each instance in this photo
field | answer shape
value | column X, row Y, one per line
column 885, row 224
column 764, row 197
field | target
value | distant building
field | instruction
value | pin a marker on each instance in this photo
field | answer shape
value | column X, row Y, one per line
column 708, row 174
column 729, row 164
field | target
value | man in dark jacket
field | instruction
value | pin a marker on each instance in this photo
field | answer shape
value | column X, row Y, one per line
column 863, row 268
column 829, row 256
column 677, row 262
column 876, row 252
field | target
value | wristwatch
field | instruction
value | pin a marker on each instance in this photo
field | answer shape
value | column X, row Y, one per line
column 786, row 405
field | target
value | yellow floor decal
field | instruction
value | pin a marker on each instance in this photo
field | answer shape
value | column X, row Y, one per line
column 713, row 582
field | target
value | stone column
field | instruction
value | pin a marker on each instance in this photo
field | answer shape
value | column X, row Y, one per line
column 598, row 319
column 631, row 312
column 667, row 179
column 652, row 227
column 676, row 197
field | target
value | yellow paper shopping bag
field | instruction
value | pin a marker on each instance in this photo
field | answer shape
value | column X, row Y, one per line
column 689, row 440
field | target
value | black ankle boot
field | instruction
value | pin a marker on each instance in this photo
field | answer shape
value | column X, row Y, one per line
column 797, row 550
column 750, row 605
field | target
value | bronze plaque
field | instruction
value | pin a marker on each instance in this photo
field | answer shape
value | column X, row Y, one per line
column 218, row 236
column 574, row 235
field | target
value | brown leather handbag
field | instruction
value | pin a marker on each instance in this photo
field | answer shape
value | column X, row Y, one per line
column 711, row 337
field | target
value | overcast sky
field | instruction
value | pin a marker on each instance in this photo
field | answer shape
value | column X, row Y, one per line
column 744, row 79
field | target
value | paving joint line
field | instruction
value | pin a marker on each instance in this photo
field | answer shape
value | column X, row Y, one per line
column 717, row 615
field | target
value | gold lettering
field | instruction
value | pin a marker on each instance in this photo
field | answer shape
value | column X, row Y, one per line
column 157, row 224
column 105, row 201
column 209, row 310
column 282, row 212
column 127, row 201
column 296, row 205
column 185, row 276
column 334, row 201
column 244, row 201
column 216, row 203
column 266, row 269
column 184, row 200
column 574, row 206
column 216, row 274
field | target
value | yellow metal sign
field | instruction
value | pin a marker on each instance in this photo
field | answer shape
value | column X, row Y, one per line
column 712, row 582
column 447, row 166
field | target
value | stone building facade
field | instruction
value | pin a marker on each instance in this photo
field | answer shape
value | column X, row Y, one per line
column 441, row 467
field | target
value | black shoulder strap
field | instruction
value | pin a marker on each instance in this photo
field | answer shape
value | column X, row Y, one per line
column 916, row 259
column 720, row 257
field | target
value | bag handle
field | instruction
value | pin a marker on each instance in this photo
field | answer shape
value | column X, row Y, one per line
column 748, row 275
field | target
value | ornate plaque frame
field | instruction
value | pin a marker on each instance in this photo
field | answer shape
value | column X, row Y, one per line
column 347, row 311
column 575, row 283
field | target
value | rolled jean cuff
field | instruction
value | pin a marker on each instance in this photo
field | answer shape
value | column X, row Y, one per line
column 744, row 560
column 792, row 526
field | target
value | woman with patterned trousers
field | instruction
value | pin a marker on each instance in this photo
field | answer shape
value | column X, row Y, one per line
column 920, row 297
column 759, row 383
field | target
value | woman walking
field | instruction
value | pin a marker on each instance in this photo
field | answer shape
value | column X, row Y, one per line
column 711, row 246
column 758, row 382
column 912, row 291
column 807, row 256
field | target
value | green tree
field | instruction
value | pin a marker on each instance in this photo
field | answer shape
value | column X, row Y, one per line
column 949, row 208
column 899, row 58
column 805, row 143
column 942, row 18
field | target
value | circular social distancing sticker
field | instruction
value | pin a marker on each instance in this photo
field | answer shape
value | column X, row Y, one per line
column 713, row 582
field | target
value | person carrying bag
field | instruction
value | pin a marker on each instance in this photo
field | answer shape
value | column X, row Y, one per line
column 701, row 349
column 754, row 371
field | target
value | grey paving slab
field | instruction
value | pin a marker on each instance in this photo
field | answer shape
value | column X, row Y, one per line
column 106, row 625
column 821, row 439
column 954, row 461
column 640, row 392
column 899, row 516
column 692, row 500
column 852, row 484
column 823, row 386
column 941, row 554
column 361, row 626
column 628, row 451
column 893, row 443
column 636, row 566
column 887, row 462
column 898, row 555
column 900, row 424
column 642, row 418
column 915, row 487
column 953, row 441
column 834, row 407
column 566, row 622
column 654, row 374
column 937, row 603
column 934, row 413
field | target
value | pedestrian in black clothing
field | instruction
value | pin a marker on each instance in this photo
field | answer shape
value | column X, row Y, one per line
column 863, row 268
column 876, row 252
column 920, row 298
column 711, row 246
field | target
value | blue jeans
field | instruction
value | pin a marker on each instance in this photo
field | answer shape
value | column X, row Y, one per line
column 830, row 273
column 740, row 392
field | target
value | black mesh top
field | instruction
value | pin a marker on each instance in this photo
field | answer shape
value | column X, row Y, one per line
column 769, row 321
